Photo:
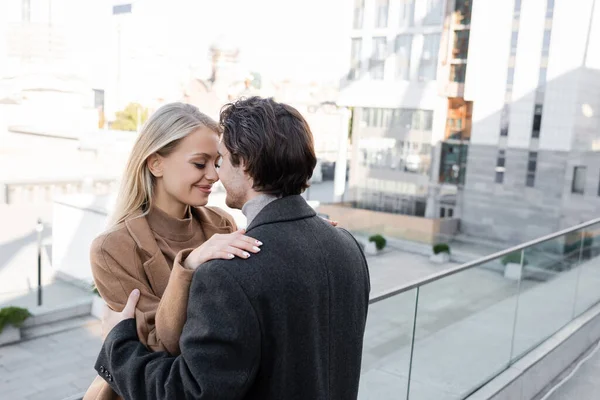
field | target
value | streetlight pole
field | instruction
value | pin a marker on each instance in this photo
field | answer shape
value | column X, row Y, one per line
column 39, row 228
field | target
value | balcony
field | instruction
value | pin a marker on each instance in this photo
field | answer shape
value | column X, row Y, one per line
column 504, row 326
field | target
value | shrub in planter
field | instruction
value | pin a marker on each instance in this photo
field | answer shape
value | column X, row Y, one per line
column 513, row 258
column 14, row 316
column 441, row 248
column 379, row 241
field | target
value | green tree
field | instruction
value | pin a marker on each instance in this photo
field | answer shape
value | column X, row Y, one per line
column 128, row 119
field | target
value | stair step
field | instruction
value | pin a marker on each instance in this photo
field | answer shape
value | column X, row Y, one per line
column 51, row 328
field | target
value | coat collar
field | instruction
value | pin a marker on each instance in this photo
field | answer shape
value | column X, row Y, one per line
column 289, row 208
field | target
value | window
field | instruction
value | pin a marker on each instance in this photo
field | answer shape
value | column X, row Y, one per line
column 504, row 118
column 381, row 13
column 377, row 63
column 366, row 112
column 458, row 73
column 462, row 10
column 461, row 44
column 442, row 212
column 500, row 166
column 531, row 167
column 429, row 56
column 550, row 9
column 403, row 49
column 434, row 12
column 427, row 120
column 513, row 43
column 537, row 121
column 450, row 212
column 422, row 120
column 403, row 118
column 407, row 11
column 578, row 184
column 359, row 12
column 355, row 64
column 517, row 8
column 510, row 76
column 542, row 76
column 599, row 188
column 546, row 44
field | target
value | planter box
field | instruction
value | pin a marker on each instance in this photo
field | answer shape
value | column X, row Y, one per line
column 371, row 249
column 98, row 305
column 513, row 271
column 10, row 334
column 440, row 258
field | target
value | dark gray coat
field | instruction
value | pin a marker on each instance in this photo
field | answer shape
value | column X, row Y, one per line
column 287, row 323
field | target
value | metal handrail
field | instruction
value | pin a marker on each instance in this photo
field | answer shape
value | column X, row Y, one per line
column 478, row 262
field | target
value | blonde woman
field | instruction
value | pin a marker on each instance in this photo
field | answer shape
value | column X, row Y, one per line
column 160, row 212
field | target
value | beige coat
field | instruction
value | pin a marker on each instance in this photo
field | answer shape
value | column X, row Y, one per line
column 127, row 257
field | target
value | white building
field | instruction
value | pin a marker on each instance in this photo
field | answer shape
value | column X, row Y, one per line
column 405, row 85
column 533, row 165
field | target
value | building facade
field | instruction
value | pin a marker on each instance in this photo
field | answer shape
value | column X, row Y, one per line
column 533, row 165
column 411, row 124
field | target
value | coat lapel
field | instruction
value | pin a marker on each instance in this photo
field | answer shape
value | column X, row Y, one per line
column 155, row 265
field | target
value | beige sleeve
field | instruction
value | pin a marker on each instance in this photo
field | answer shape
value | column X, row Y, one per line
column 159, row 321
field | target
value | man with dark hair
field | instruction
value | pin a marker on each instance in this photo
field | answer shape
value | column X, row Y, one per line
column 287, row 323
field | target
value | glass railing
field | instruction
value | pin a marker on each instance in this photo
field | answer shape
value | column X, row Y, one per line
column 445, row 336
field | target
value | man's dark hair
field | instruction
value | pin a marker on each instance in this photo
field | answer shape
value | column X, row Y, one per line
column 273, row 141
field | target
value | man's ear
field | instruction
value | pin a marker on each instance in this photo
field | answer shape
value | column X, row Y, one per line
column 155, row 165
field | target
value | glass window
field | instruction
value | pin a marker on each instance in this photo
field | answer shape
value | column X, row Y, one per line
column 549, row 8
column 434, row 12
column 442, row 212
column 381, row 13
column 416, row 120
column 355, row 57
column 504, row 118
column 537, row 121
column 531, row 168
column 403, row 117
column 378, row 55
column 500, row 166
column 407, row 12
column 359, row 12
column 546, row 44
column 427, row 120
column 513, row 42
column 542, row 77
column 510, row 76
column 403, row 51
column 578, row 184
column 461, row 44
column 458, row 73
column 365, row 116
column 450, row 212
column 429, row 56
column 462, row 10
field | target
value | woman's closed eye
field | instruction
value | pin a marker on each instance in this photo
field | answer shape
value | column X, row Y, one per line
column 199, row 166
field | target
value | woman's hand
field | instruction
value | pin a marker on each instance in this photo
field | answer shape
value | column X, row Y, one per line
column 333, row 223
column 224, row 247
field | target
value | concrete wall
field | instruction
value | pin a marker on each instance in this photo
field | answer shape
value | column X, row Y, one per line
column 512, row 212
column 425, row 230
column 77, row 220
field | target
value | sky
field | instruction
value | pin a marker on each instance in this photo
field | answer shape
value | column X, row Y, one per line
column 163, row 40
column 281, row 38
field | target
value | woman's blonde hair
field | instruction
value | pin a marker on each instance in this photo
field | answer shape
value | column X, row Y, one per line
column 160, row 134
